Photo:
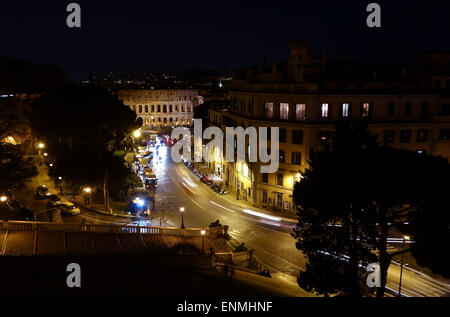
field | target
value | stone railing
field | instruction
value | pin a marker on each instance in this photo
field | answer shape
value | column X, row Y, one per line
column 99, row 228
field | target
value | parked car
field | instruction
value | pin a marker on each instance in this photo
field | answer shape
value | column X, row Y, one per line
column 218, row 189
column 67, row 207
column 54, row 197
column 14, row 205
column 204, row 178
column 27, row 214
column 42, row 190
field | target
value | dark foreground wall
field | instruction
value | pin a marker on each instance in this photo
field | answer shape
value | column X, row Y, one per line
column 118, row 275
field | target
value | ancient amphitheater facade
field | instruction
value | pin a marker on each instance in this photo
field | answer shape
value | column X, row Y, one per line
column 162, row 108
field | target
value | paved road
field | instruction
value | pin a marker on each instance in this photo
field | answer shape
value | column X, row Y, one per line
column 271, row 239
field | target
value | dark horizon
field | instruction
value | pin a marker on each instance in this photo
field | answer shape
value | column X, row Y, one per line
column 158, row 36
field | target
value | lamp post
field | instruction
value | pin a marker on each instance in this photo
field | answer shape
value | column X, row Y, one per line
column 41, row 146
column 203, row 232
column 182, row 217
column 162, row 214
column 401, row 267
column 87, row 190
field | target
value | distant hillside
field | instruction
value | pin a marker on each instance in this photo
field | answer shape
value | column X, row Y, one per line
column 17, row 76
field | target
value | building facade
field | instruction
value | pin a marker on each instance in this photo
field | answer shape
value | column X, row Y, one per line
column 404, row 113
column 163, row 107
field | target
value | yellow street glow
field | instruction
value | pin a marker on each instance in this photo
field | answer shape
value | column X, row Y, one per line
column 137, row 133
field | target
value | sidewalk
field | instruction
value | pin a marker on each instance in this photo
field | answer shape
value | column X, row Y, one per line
column 99, row 208
column 231, row 197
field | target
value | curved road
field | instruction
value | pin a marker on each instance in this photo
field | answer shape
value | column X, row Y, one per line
column 271, row 239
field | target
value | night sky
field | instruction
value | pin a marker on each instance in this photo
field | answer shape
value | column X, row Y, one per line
column 150, row 35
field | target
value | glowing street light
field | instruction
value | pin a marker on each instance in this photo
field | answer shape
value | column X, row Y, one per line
column 3, row 198
column 137, row 133
column 182, row 217
column 401, row 267
column 41, row 145
column 87, row 199
column 45, row 154
column 203, row 232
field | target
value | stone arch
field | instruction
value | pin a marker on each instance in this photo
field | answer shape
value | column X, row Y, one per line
column 153, row 108
column 146, row 108
column 170, row 109
column 165, row 108
column 140, row 108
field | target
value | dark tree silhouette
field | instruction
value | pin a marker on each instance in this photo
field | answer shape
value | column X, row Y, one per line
column 354, row 190
column 86, row 132
column 14, row 170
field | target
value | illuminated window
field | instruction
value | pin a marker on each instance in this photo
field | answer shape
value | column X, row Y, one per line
column 345, row 110
column 268, row 110
column 300, row 111
column 284, row 111
column 324, row 109
column 365, row 109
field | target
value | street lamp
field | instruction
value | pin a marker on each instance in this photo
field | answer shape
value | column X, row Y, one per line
column 87, row 190
column 401, row 267
column 40, row 147
column 203, row 232
column 3, row 198
column 137, row 133
column 182, row 217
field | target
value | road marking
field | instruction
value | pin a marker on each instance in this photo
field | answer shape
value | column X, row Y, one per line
column 221, row 206
column 260, row 214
